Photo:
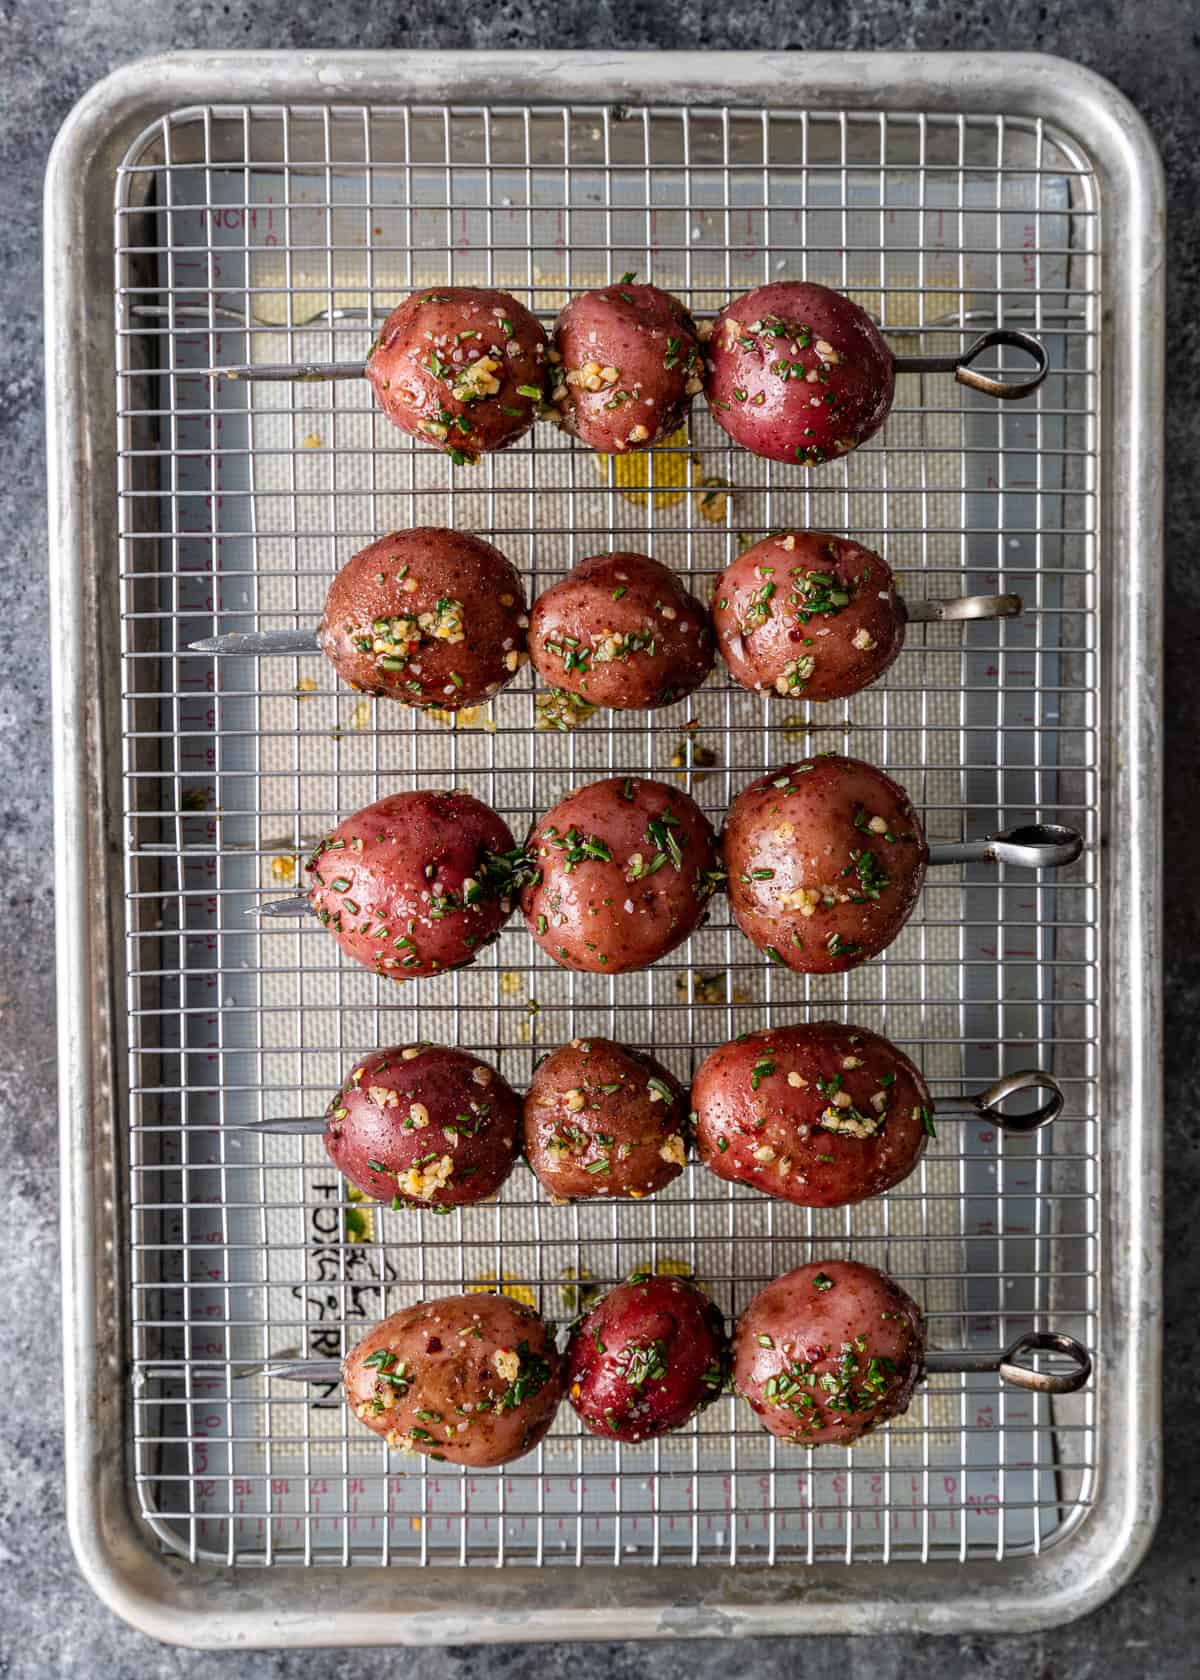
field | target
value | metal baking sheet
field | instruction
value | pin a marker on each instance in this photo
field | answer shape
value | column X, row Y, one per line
column 280, row 230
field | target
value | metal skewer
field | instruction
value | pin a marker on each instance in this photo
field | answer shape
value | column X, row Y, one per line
column 303, row 373
column 297, row 905
column 983, row 1102
column 288, row 1126
column 1008, row 1361
column 1031, row 846
column 248, row 643
column 986, row 1103
column 961, row 606
column 958, row 363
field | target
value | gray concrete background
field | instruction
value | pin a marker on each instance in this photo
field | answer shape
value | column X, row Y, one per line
column 51, row 51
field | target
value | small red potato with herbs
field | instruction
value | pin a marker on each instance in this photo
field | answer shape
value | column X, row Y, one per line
column 430, row 617
column 797, row 372
column 807, row 616
column 820, row 1114
column 622, row 631
column 629, row 365
column 468, row 1379
column 828, row 1352
column 602, row 1120
column 462, row 368
column 646, row 1359
column 425, row 1125
column 416, row 883
column 825, row 860
column 624, row 870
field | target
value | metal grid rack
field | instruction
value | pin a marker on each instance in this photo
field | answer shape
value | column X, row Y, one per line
column 281, row 234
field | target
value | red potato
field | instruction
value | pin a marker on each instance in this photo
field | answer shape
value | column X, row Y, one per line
column 828, row 1352
column 622, row 631
column 468, row 1379
column 797, row 372
column 601, row 1120
column 431, row 617
column 416, row 883
column 808, row 616
column 423, row 1124
column 821, row 1114
column 646, row 1359
column 630, row 364
column 460, row 367
column 825, row 860
column 625, row 869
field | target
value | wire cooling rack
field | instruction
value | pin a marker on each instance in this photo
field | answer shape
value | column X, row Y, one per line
column 285, row 234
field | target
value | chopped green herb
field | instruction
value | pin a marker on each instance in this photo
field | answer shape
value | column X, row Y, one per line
column 533, row 1373
column 643, row 1362
column 577, row 847
column 658, row 832
column 872, row 878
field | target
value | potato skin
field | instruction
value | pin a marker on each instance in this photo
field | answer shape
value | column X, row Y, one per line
column 621, row 909
column 797, row 844
column 807, row 616
column 429, row 617
column 646, row 1359
column 593, row 1104
column 645, row 341
column 408, row 865
column 797, row 372
column 419, row 365
column 621, row 630
column 432, row 1126
column 756, row 1125
column 835, row 1320
column 454, row 1400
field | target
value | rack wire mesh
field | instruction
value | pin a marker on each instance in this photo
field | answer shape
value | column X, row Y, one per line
column 281, row 234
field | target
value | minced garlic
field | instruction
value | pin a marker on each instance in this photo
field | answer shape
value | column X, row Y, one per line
column 477, row 380
column 507, row 1363
column 427, row 1181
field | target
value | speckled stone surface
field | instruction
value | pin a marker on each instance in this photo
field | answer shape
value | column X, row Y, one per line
column 50, row 53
